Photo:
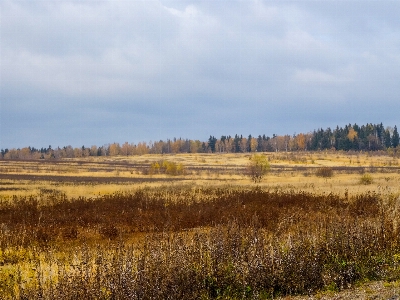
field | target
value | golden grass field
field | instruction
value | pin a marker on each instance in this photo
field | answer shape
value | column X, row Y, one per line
column 288, row 171
column 77, row 228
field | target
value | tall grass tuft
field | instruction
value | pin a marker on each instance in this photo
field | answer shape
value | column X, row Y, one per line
column 366, row 179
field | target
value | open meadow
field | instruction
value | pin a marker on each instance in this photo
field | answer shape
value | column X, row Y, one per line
column 195, row 226
column 94, row 176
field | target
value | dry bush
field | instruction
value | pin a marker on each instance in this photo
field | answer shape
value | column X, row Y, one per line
column 198, row 244
column 366, row 179
column 70, row 233
column 109, row 231
column 325, row 172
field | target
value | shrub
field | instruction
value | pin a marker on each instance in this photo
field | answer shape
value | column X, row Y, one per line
column 324, row 172
column 366, row 179
column 154, row 168
column 109, row 232
column 167, row 167
column 70, row 233
column 258, row 167
column 207, row 243
column 42, row 236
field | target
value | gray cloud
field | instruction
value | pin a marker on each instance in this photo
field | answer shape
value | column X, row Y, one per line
column 75, row 72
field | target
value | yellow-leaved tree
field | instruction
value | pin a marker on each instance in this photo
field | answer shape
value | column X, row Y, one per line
column 257, row 167
column 352, row 134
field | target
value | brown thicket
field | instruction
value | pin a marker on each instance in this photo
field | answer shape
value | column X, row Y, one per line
column 196, row 244
column 324, row 172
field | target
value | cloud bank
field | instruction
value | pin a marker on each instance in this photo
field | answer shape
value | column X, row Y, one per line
column 93, row 72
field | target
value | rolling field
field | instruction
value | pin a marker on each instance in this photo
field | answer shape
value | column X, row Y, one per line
column 319, row 224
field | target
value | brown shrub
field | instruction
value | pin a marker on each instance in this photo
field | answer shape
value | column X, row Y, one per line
column 326, row 172
column 208, row 243
column 109, row 232
column 70, row 233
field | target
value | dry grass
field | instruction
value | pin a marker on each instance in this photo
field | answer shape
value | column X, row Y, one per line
column 102, row 228
column 103, row 175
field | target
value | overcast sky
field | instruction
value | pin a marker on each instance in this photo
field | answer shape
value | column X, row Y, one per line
column 95, row 72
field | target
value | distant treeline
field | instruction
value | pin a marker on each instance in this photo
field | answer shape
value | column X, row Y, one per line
column 370, row 137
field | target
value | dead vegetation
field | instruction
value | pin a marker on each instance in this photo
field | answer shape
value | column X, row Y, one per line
column 183, row 243
column 326, row 172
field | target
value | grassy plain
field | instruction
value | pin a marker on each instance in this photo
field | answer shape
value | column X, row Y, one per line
column 106, row 228
column 95, row 176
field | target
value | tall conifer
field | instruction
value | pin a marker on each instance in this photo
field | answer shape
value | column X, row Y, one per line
column 395, row 137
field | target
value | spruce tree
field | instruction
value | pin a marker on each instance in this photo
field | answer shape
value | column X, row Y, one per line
column 395, row 137
column 211, row 143
column 387, row 138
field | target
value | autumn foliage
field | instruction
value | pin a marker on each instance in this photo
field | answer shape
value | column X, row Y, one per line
column 167, row 167
column 369, row 137
column 258, row 167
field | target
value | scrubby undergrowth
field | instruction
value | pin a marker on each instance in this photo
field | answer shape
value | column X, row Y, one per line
column 183, row 243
